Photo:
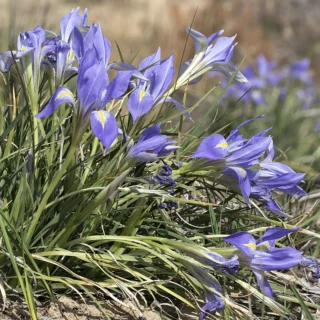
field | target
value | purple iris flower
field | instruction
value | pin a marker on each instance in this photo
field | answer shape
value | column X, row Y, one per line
column 211, row 287
column 30, row 44
column 70, row 21
column 94, row 91
column 150, row 87
column 151, row 145
column 248, row 91
column 261, row 255
column 264, row 76
column 272, row 175
column 92, row 39
column 244, row 172
column 307, row 96
column 300, row 71
column 57, row 61
column 213, row 301
column 234, row 155
column 209, row 57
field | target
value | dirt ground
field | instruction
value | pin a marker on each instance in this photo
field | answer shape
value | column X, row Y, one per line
column 66, row 308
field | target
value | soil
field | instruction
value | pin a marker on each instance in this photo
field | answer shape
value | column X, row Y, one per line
column 69, row 308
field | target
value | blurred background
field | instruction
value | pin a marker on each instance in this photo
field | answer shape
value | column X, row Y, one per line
column 284, row 32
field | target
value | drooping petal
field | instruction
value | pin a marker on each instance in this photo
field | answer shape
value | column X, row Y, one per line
column 140, row 102
column 62, row 95
column 214, row 147
column 272, row 205
column 242, row 177
column 244, row 242
column 104, row 126
column 21, row 53
column 278, row 175
column 263, row 283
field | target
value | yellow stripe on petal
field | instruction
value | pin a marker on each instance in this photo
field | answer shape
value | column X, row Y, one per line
column 223, row 144
column 102, row 118
column 251, row 246
column 64, row 94
column 142, row 93
column 243, row 172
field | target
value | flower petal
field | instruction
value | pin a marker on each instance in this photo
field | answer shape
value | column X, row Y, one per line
column 6, row 61
column 244, row 242
column 140, row 102
column 162, row 77
column 104, row 127
column 214, row 147
column 118, row 86
column 68, row 22
column 275, row 233
column 263, row 283
column 200, row 41
column 62, row 95
column 244, row 182
column 152, row 60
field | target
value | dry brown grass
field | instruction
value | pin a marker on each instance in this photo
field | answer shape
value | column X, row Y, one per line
column 283, row 30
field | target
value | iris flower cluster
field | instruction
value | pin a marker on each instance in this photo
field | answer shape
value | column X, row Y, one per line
column 267, row 75
column 247, row 167
column 83, row 51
